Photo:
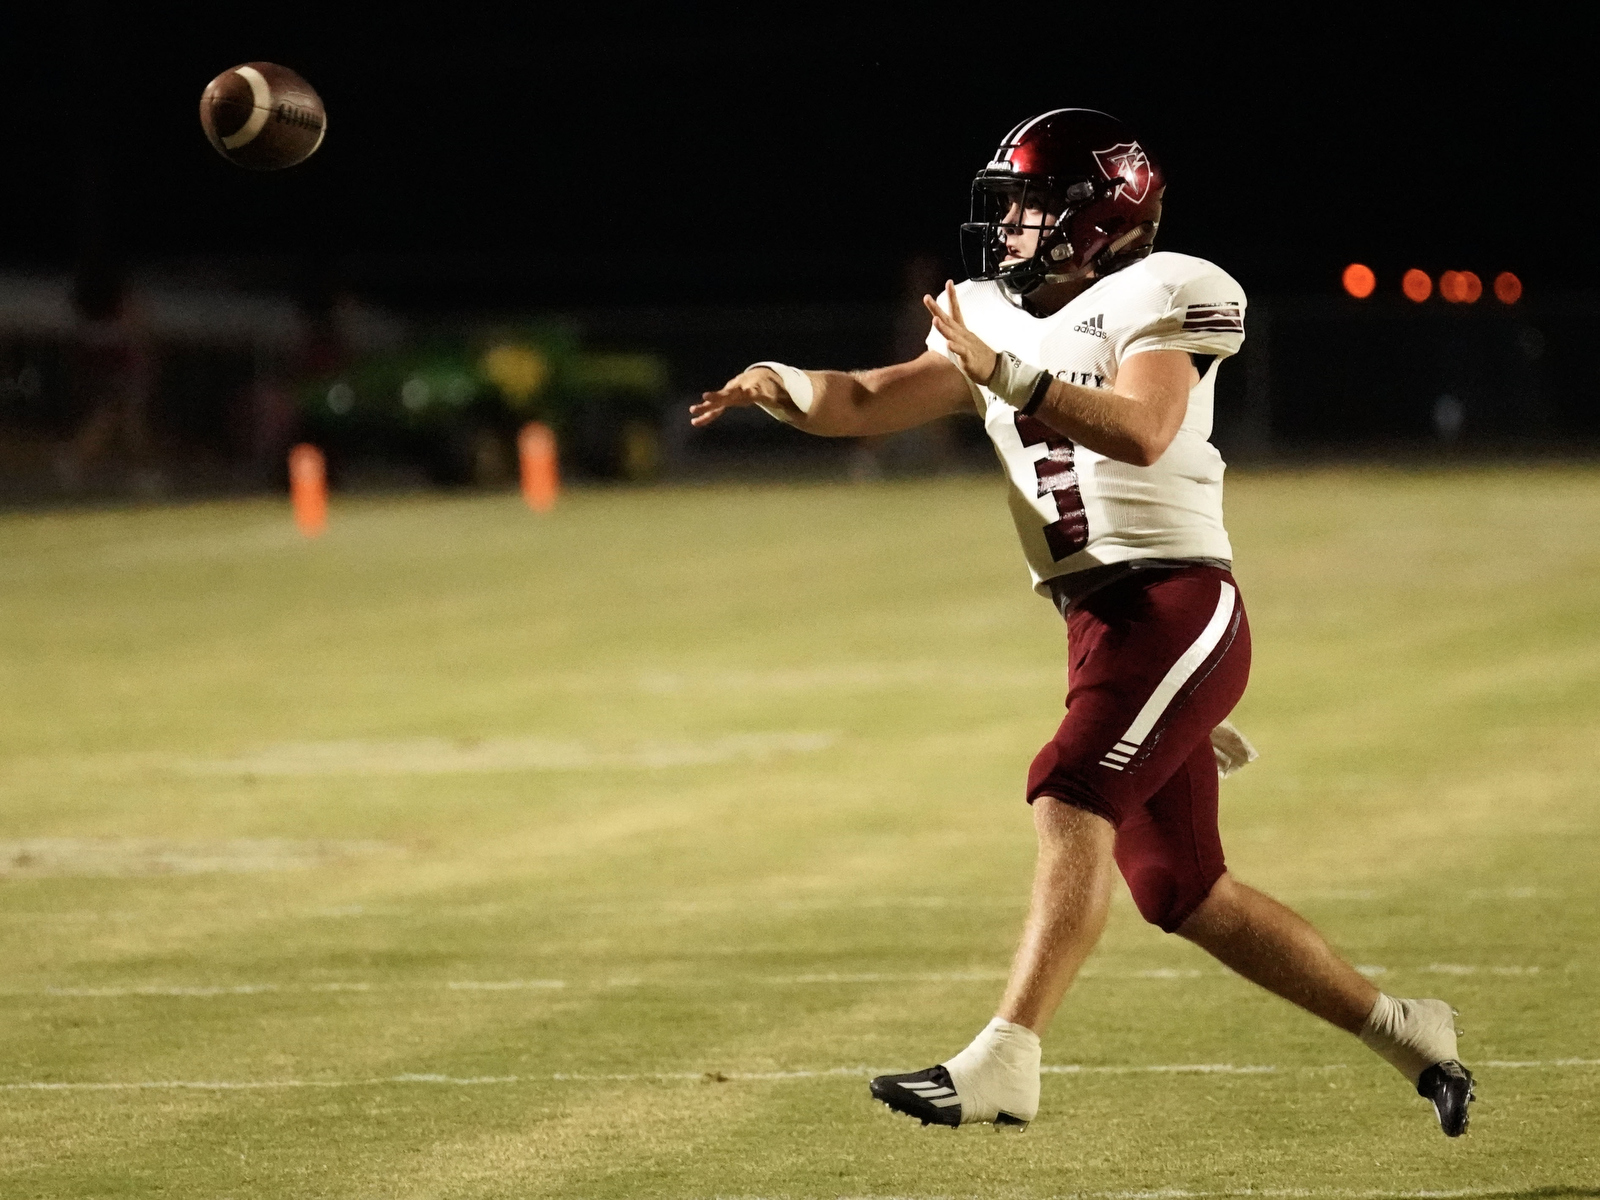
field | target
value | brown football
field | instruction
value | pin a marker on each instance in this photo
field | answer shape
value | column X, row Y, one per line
column 262, row 116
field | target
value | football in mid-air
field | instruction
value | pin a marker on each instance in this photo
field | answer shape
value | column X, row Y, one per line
column 262, row 116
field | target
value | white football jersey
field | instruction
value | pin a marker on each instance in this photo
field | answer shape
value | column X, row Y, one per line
column 1075, row 509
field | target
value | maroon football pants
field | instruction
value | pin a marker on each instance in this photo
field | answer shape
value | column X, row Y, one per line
column 1157, row 660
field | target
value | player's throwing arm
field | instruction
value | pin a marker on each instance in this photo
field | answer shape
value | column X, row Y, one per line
column 841, row 404
column 1134, row 423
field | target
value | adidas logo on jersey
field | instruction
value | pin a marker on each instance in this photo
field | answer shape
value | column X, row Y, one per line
column 1095, row 326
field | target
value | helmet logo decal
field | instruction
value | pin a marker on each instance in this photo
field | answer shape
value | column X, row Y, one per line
column 1126, row 161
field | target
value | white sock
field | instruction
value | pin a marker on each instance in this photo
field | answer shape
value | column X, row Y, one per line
column 1410, row 1035
column 998, row 1073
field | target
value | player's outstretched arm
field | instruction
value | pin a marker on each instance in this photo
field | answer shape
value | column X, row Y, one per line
column 1134, row 422
column 848, row 404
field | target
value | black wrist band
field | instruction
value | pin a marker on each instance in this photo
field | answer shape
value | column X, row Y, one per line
column 1036, row 397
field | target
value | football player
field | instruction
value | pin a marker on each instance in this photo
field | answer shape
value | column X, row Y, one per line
column 1092, row 362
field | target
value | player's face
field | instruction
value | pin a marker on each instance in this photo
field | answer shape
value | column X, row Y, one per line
column 1021, row 229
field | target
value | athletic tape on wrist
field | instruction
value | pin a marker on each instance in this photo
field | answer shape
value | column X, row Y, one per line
column 795, row 381
column 1019, row 384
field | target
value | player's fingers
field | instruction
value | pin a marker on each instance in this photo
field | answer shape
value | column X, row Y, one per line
column 941, row 320
column 731, row 394
column 742, row 382
column 955, row 301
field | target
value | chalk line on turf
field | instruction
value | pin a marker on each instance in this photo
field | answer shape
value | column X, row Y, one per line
column 206, row 992
column 657, row 907
column 712, row 1076
column 212, row 991
column 93, row 857
column 442, row 756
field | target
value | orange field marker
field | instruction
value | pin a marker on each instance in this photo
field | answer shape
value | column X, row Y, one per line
column 541, row 471
column 308, row 489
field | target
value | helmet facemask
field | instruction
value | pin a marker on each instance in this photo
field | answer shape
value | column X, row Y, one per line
column 1002, row 204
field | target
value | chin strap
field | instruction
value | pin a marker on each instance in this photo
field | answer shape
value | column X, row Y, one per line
column 1116, row 256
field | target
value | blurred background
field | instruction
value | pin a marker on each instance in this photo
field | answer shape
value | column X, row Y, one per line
column 518, row 215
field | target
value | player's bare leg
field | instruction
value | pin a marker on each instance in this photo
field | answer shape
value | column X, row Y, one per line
column 996, row 1078
column 1274, row 947
column 1072, row 881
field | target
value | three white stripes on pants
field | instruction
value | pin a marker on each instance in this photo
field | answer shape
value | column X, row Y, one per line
column 1172, row 683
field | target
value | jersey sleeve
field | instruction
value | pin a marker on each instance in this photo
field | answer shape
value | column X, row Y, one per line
column 1202, row 312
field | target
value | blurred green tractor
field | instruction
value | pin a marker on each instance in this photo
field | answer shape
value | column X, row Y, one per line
column 454, row 408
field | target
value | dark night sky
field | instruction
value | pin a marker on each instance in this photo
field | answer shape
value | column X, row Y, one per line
column 488, row 155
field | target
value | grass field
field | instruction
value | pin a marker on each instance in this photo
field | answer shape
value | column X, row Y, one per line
column 464, row 853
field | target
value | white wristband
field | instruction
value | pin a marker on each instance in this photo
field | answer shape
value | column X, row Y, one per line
column 1015, row 381
column 795, row 381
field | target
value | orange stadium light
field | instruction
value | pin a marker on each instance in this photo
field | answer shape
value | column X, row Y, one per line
column 1359, row 280
column 1460, row 287
column 1416, row 285
column 1507, row 288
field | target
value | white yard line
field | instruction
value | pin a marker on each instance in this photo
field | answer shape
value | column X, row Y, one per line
column 990, row 976
column 87, row 857
column 203, row 992
column 441, row 756
column 634, row 910
column 739, row 1077
column 216, row 991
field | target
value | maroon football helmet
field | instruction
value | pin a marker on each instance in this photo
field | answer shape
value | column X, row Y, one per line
column 1087, row 170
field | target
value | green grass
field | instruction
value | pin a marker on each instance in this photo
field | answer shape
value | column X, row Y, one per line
column 734, row 768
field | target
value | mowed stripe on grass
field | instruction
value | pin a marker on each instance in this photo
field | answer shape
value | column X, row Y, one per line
column 1426, row 710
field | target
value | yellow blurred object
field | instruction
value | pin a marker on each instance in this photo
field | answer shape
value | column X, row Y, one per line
column 621, row 372
column 641, row 451
column 518, row 371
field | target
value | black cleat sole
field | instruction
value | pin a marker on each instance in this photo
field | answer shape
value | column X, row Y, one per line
column 1449, row 1086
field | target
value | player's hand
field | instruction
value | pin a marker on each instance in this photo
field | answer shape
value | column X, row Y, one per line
column 976, row 360
column 755, row 386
